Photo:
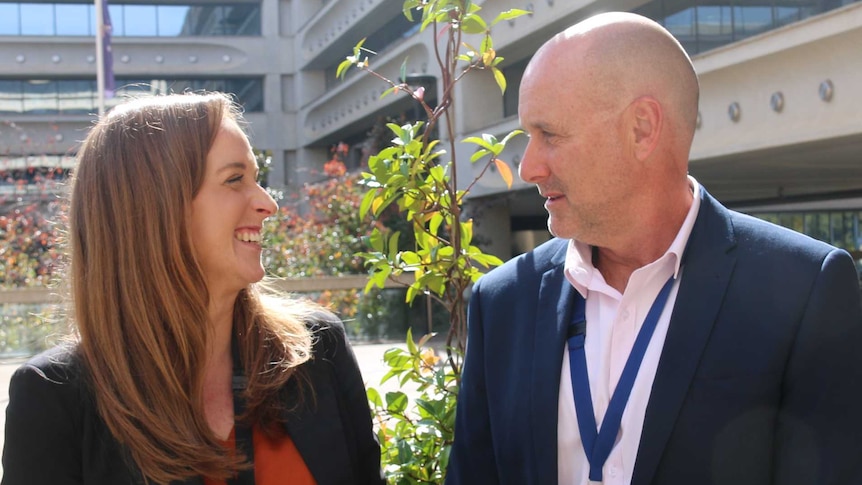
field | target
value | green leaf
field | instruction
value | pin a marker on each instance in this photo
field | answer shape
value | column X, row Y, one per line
column 429, row 407
column 473, row 24
column 511, row 134
column 407, row 9
column 482, row 142
column 479, row 154
column 466, row 232
column 342, row 68
column 388, row 92
column 376, row 240
column 510, row 14
column 434, row 224
column 393, row 244
column 411, row 345
column 366, row 203
column 486, row 45
column 374, row 398
column 403, row 71
column 396, row 402
column 410, row 258
column 486, row 260
column 500, row 78
column 358, row 47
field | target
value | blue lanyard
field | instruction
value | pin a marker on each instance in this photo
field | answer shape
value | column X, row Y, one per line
column 598, row 444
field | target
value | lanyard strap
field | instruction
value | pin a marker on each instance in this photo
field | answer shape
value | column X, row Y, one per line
column 598, row 444
column 242, row 431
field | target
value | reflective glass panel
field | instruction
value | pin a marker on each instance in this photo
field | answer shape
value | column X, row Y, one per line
column 118, row 26
column 836, row 224
column 74, row 19
column 748, row 21
column 37, row 19
column 140, row 20
column 40, row 97
column 172, row 19
column 206, row 20
column 851, row 225
column 9, row 24
column 786, row 15
column 76, row 96
column 243, row 19
column 11, row 101
column 714, row 27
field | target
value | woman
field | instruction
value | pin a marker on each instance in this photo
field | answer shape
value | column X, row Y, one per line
column 184, row 369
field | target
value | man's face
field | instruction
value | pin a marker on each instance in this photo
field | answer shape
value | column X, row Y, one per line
column 574, row 155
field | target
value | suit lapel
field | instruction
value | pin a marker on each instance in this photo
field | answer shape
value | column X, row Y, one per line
column 708, row 264
column 553, row 313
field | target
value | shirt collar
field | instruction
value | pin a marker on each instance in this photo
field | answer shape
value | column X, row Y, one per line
column 581, row 273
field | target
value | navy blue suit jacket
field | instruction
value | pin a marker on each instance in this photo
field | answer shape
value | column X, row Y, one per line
column 759, row 381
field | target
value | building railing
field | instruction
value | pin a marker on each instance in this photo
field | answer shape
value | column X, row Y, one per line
column 37, row 295
column 31, row 318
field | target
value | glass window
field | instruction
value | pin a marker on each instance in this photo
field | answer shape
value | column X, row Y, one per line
column 748, row 21
column 140, row 20
column 76, row 96
column 73, row 19
column 797, row 222
column 786, row 15
column 682, row 26
column 172, row 19
column 714, row 21
column 118, row 26
column 77, row 18
column 205, row 20
column 10, row 97
column 37, row 19
column 851, row 231
column 70, row 96
column 9, row 19
column 243, row 19
column 714, row 27
column 40, row 97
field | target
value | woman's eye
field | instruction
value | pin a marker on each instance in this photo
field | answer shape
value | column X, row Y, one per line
column 234, row 179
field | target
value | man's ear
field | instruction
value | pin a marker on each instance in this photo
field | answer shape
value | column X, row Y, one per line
column 647, row 121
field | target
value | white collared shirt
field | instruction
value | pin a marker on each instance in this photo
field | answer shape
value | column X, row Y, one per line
column 613, row 322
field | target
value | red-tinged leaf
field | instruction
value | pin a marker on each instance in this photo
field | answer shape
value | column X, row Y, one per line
column 505, row 172
column 442, row 31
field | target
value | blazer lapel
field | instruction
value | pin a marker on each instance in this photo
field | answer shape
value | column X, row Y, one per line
column 310, row 433
column 553, row 313
column 708, row 263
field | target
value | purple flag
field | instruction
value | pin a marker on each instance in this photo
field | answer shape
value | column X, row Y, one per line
column 107, row 51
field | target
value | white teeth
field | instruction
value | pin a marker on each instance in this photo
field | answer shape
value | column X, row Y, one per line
column 248, row 236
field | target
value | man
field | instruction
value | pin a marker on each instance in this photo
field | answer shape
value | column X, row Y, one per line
column 718, row 349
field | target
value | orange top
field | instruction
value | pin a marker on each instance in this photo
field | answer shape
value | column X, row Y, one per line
column 276, row 460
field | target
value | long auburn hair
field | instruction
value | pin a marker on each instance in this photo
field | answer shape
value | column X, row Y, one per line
column 139, row 298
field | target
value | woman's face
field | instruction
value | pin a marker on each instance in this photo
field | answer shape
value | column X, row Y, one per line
column 228, row 213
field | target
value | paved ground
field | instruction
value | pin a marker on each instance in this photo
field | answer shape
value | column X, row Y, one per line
column 370, row 357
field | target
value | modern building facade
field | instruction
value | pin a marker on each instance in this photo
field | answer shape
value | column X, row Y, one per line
column 780, row 126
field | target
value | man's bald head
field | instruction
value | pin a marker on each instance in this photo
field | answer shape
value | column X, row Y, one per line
column 623, row 56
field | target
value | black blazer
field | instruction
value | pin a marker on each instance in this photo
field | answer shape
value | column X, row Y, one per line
column 54, row 435
column 759, row 381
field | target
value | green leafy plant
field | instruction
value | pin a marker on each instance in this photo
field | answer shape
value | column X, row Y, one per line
column 417, row 175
